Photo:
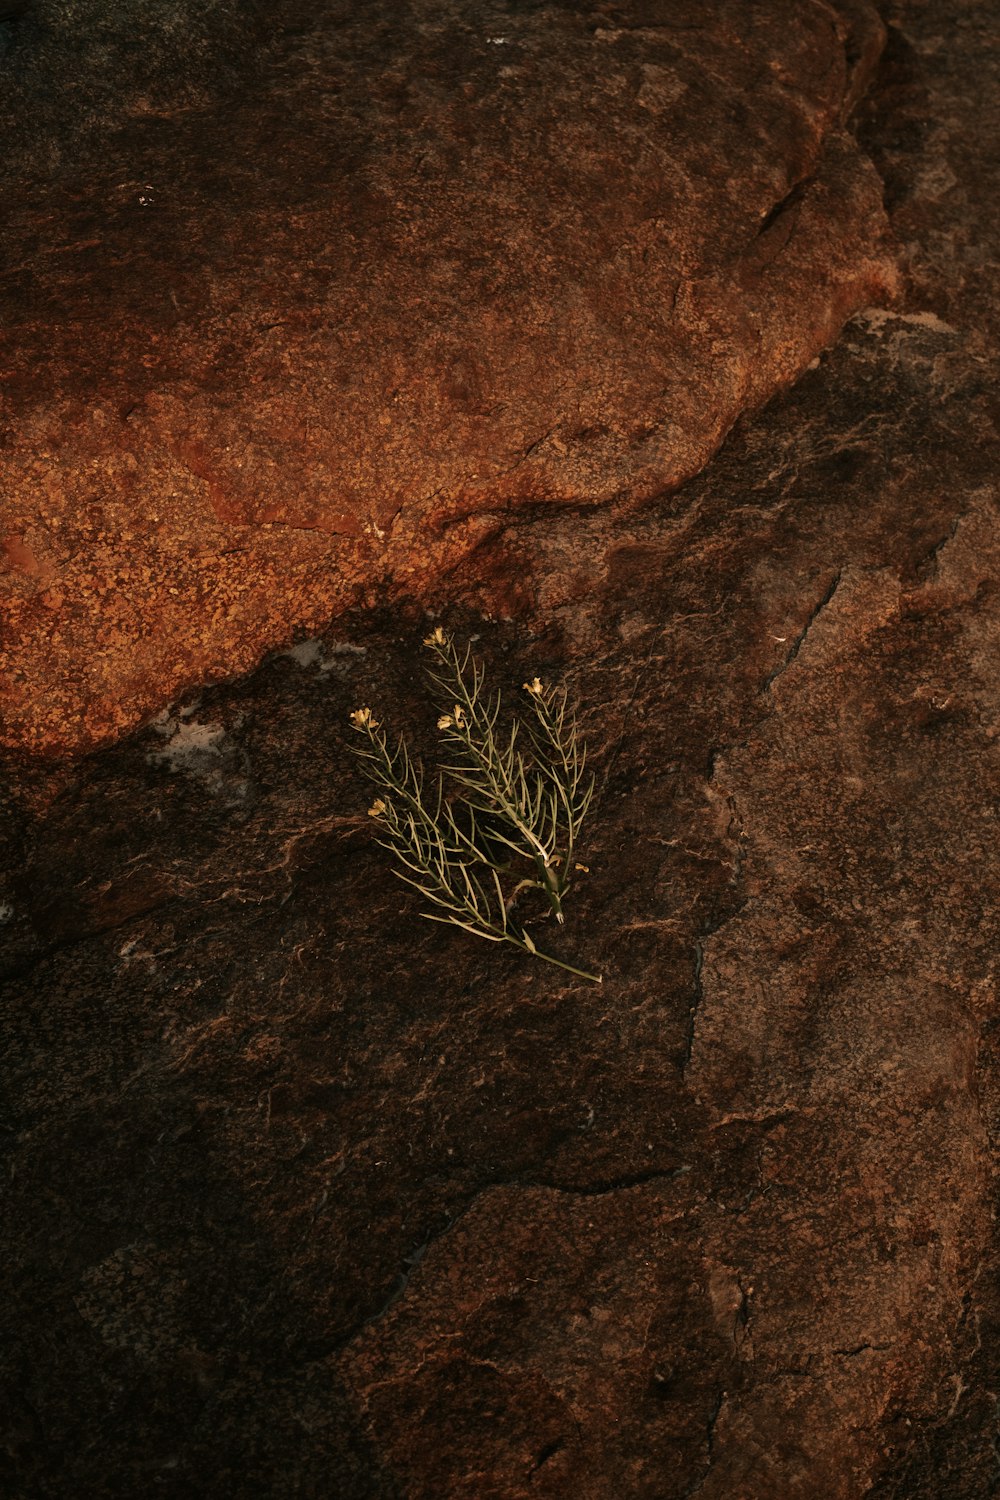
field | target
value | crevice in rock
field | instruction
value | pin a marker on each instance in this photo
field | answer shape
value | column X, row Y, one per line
column 696, row 999
column 791, row 200
column 926, row 563
column 714, row 1412
column 800, row 639
column 741, row 1318
column 712, row 1419
column 602, row 1189
column 412, row 1259
column 549, row 1451
column 410, row 1262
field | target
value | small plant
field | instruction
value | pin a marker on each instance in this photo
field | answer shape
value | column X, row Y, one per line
column 506, row 820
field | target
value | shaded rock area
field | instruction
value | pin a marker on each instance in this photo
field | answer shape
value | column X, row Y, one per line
column 307, row 1197
column 75, row 71
column 269, row 354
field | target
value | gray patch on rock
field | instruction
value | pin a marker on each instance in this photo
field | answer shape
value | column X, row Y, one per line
column 338, row 657
column 204, row 752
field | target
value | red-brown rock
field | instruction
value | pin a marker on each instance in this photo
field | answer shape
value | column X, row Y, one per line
column 271, row 355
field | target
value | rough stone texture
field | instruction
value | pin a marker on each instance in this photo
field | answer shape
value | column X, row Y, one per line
column 75, row 71
column 267, row 356
column 307, row 1197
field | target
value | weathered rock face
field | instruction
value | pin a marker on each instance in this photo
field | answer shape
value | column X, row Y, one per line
column 76, row 71
column 306, row 1197
column 268, row 356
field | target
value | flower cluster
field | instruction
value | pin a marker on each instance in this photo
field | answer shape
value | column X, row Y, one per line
column 453, row 720
column 363, row 718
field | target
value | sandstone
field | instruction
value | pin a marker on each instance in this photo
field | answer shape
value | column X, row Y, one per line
column 274, row 353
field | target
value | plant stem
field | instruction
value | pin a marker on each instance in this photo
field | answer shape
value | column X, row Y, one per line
column 537, row 953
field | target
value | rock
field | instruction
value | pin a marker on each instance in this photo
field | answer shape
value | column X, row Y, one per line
column 274, row 354
column 306, row 1196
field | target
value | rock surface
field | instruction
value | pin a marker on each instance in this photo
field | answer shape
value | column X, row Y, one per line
column 271, row 355
column 308, row 1197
